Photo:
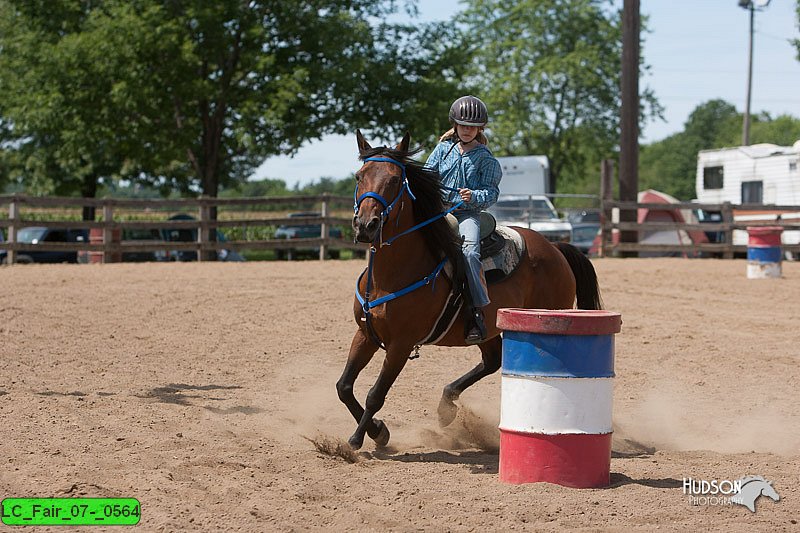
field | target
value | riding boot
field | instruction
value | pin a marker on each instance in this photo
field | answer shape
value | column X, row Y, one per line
column 477, row 330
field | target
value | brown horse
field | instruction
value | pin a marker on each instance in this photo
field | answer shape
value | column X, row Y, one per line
column 403, row 290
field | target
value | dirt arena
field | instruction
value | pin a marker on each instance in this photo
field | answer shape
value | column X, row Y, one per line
column 198, row 389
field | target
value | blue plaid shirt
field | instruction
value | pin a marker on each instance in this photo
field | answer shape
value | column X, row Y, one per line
column 477, row 170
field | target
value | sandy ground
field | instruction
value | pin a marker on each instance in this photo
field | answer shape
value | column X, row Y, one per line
column 195, row 388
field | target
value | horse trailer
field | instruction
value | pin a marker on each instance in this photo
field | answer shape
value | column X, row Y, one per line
column 757, row 174
column 764, row 174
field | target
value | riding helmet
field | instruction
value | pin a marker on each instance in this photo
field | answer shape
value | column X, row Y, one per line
column 469, row 111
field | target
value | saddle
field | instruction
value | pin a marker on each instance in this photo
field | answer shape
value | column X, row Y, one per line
column 501, row 247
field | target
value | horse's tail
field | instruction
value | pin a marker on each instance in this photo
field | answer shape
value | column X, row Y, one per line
column 586, row 288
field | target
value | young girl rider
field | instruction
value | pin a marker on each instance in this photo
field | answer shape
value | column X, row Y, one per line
column 470, row 173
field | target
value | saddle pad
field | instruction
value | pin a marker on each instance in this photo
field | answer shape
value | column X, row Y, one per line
column 507, row 259
column 502, row 263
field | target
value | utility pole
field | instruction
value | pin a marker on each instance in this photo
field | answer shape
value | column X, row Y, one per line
column 750, row 5
column 629, row 120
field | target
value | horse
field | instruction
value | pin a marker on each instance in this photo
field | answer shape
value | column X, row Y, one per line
column 399, row 210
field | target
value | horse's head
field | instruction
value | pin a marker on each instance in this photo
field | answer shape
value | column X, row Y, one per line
column 379, row 184
column 769, row 491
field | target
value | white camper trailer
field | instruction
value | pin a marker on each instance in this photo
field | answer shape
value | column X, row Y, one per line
column 526, row 174
column 757, row 174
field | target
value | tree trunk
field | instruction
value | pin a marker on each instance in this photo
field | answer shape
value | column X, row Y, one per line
column 211, row 190
column 89, row 190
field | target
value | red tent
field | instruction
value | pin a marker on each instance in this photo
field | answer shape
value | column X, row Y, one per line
column 664, row 236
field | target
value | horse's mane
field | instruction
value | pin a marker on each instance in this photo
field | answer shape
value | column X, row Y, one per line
column 426, row 184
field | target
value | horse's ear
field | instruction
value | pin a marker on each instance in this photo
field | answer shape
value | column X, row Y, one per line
column 363, row 145
column 403, row 146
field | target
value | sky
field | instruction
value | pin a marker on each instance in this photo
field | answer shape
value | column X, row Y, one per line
column 697, row 51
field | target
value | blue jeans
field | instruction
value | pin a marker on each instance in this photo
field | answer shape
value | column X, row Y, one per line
column 469, row 226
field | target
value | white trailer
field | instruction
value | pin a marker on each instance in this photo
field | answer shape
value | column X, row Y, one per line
column 758, row 174
column 526, row 174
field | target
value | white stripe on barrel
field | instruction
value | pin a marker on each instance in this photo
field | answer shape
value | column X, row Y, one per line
column 764, row 253
column 557, row 390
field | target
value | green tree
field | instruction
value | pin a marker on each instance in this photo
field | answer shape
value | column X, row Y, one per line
column 783, row 130
column 59, row 99
column 797, row 41
column 194, row 95
column 549, row 70
column 670, row 165
column 255, row 188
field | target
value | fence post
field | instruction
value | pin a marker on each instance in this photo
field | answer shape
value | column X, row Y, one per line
column 202, row 231
column 323, row 248
column 13, row 214
column 108, row 232
column 606, row 196
column 727, row 218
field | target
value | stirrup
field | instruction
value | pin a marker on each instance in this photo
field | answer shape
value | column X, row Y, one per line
column 476, row 334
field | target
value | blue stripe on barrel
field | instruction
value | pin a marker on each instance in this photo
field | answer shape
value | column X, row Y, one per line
column 770, row 254
column 579, row 356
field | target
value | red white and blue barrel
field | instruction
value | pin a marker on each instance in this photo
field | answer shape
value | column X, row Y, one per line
column 556, row 397
column 764, row 252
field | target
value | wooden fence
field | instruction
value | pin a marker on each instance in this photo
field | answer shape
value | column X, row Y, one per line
column 731, row 229
column 25, row 211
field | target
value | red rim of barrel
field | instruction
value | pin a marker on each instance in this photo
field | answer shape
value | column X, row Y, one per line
column 760, row 230
column 559, row 322
column 764, row 236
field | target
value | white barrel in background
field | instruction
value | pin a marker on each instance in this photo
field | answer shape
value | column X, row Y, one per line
column 764, row 252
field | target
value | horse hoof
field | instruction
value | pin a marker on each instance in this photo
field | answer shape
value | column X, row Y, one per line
column 355, row 442
column 383, row 436
column 447, row 412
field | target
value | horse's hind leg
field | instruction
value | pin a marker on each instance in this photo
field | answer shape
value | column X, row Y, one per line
column 491, row 354
column 361, row 352
column 392, row 365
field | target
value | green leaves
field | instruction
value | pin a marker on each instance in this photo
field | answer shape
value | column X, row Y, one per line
column 549, row 72
column 194, row 95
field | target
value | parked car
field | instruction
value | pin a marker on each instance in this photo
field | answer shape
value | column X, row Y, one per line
column 190, row 235
column 304, row 231
column 534, row 212
column 38, row 235
column 143, row 236
column 584, row 215
column 585, row 235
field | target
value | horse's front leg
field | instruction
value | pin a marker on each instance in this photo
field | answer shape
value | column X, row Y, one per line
column 392, row 365
column 491, row 353
column 361, row 351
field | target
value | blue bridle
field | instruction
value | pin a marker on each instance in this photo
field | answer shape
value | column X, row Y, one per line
column 387, row 207
column 365, row 302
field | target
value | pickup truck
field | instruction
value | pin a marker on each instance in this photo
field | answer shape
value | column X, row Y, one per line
column 533, row 212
